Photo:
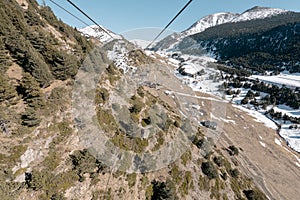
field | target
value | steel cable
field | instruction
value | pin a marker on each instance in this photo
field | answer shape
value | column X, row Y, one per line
column 186, row 5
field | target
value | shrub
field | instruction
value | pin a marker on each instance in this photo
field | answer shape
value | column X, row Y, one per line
column 234, row 173
column 203, row 183
column 102, row 96
column 187, row 183
column 146, row 121
column 198, row 142
column 131, row 179
column 136, row 107
column 209, row 170
column 254, row 195
column 245, row 101
column 163, row 190
column 83, row 163
column 149, row 192
column 30, row 118
column 233, row 150
column 140, row 91
column 219, row 161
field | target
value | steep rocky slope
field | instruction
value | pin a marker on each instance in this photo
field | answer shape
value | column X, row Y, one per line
column 56, row 87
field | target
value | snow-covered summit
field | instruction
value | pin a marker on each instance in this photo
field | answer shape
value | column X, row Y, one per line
column 258, row 13
column 209, row 21
column 95, row 31
column 227, row 17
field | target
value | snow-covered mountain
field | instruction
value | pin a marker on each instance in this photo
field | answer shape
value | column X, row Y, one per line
column 227, row 17
column 95, row 31
column 140, row 43
column 258, row 13
column 209, row 21
column 216, row 19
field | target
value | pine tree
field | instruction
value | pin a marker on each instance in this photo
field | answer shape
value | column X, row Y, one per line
column 7, row 91
column 31, row 92
column 4, row 58
column 30, row 117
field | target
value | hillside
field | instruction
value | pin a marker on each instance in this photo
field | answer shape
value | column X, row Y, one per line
column 253, row 64
column 87, row 119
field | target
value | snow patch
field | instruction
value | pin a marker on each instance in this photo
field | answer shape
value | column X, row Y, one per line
column 291, row 136
column 119, row 56
column 23, row 4
column 262, row 144
column 195, row 73
column 278, row 142
column 228, row 121
column 95, row 31
column 259, row 117
column 290, row 80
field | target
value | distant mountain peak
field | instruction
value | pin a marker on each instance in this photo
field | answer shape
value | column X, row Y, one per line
column 258, row 12
column 257, row 8
column 262, row 8
column 95, row 31
column 209, row 21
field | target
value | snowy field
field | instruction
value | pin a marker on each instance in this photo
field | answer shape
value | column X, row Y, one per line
column 291, row 136
column 287, row 110
column 290, row 80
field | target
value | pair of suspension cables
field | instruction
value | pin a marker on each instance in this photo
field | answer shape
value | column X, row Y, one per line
column 105, row 31
column 79, row 18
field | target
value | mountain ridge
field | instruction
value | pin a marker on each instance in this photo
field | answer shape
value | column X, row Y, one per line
column 264, row 43
column 217, row 19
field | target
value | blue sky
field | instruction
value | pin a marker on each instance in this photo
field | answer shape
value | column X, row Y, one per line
column 125, row 15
